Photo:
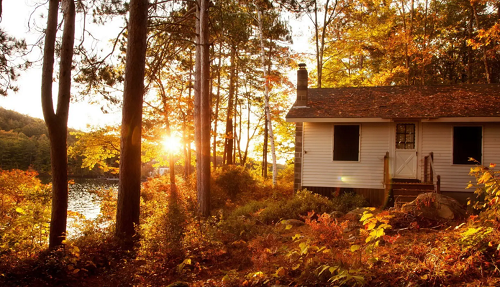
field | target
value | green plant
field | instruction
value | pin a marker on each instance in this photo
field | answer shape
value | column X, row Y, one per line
column 487, row 190
column 341, row 276
column 348, row 201
column 234, row 180
column 295, row 207
column 476, row 238
column 326, row 229
column 374, row 230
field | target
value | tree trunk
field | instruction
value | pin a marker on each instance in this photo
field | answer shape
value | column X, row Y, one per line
column 469, row 48
column 57, row 123
column 266, row 98
column 483, row 49
column 216, row 113
column 129, row 186
column 264, row 149
column 202, row 113
column 229, row 140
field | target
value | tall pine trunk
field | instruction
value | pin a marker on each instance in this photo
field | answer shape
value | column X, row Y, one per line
column 202, row 109
column 216, row 113
column 229, row 140
column 266, row 97
column 57, row 122
column 129, row 186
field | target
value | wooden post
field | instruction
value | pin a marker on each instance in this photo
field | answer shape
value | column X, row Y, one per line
column 387, row 182
column 426, row 162
column 438, row 184
column 431, row 174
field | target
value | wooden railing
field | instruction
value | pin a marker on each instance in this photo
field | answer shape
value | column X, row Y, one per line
column 430, row 172
column 387, row 182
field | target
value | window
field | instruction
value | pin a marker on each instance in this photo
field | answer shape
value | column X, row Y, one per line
column 467, row 142
column 405, row 136
column 346, row 142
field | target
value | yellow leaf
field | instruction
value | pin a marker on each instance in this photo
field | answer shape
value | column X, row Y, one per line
column 485, row 177
column 288, row 227
column 20, row 210
column 296, row 267
column 365, row 216
column 371, row 225
column 380, row 233
column 280, row 272
column 355, row 248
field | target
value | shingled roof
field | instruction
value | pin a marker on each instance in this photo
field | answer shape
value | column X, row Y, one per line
column 408, row 102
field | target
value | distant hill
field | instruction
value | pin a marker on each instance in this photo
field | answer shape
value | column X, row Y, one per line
column 24, row 143
column 19, row 123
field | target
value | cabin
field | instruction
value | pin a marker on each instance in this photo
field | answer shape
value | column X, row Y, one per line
column 402, row 140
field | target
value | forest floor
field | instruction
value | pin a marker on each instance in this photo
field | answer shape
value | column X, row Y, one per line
column 318, row 251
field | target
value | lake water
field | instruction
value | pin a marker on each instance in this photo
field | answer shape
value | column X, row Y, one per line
column 83, row 199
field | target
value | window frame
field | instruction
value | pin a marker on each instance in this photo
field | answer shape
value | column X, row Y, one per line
column 481, row 147
column 333, row 144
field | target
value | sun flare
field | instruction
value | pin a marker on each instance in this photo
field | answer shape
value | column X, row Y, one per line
column 171, row 144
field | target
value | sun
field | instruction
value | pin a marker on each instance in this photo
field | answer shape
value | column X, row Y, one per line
column 171, row 144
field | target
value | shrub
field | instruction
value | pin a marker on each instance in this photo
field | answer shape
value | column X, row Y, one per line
column 327, row 229
column 233, row 180
column 348, row 201
column 24, row 213
column 487, row 190
column 295, row 207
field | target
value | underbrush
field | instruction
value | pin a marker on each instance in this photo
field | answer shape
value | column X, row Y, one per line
column 242, row 244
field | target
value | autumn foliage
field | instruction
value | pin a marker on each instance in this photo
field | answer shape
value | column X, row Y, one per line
column 298, row 239
column 24, row 214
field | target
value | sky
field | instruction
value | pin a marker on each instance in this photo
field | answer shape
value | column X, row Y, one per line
column 15, row 19
column 82, row 116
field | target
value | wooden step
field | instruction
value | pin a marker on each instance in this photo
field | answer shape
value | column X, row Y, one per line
column 405, row 180
column 417, row 186
column 410, row 192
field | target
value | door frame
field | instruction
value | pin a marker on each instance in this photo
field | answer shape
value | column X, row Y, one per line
column 393, row 150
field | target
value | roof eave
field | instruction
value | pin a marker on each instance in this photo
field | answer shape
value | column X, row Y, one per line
column 383, row 120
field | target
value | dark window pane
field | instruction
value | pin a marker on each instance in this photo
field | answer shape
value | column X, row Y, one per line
column 467, row 143
column 410, row 138
column 405, row 136
column 346, row 142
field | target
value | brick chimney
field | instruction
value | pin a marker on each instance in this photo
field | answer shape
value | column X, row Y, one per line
column 302, row 79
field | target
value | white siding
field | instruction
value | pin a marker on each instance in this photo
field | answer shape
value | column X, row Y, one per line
column 319, row 169
column 438, row 138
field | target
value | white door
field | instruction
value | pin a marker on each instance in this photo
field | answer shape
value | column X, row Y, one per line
column 405, row 157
